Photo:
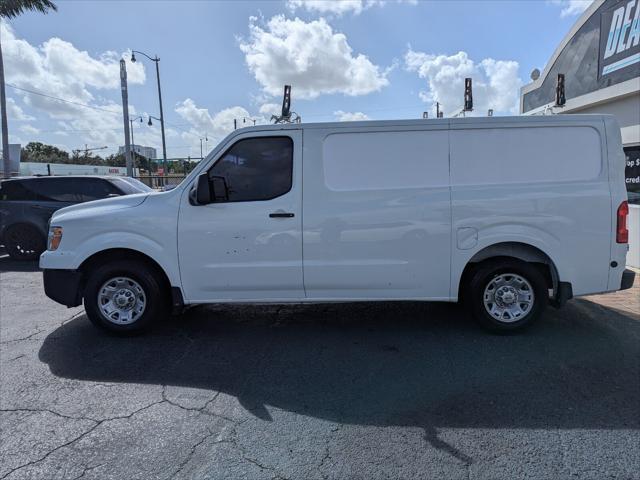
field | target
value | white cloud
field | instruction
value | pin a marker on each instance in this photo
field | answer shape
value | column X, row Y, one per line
column 93, row 127
column 29, row 129
column 202, row 123
column 496, row 83
column 217, row 125
column 269, row 109
column 15, row 112
column 340, row 7
column 350, row 116
column 572, row 7
column 309, row 56
column 58, row 69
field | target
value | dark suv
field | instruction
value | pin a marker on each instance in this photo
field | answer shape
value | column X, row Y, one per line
column 27, row 203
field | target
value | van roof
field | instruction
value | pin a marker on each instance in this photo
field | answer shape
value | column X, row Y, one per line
column 531, row 119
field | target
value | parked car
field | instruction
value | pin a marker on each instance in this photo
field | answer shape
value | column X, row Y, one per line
column 508, row 214
column 27, row 203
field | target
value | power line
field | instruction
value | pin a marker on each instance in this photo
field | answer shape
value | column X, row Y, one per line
column 53, row 97
column 33, row 92
column 177, row 126
column 62, row 130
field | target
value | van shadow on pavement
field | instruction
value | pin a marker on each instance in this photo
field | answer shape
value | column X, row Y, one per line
column 385, row 364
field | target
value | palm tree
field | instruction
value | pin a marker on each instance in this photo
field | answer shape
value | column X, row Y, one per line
column 10, row 9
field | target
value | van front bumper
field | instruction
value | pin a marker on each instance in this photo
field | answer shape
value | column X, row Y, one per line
column 63, row 286
column 628, row 276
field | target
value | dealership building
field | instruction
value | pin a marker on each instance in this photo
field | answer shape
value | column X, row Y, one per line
column 600, row 60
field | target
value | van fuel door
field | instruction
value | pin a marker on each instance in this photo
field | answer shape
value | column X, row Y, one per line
column 467, row 237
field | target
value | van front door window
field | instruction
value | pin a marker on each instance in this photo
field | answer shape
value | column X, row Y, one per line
column 254, row 169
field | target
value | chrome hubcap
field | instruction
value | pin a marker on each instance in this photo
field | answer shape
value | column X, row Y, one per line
column 121, row 300
column 508, row 297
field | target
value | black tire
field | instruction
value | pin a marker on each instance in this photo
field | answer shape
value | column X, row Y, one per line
column 492, row 269
column 24, row 242
column 157, row 302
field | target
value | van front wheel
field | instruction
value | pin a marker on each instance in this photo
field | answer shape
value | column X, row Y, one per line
column 124, row 297
column 507, row 295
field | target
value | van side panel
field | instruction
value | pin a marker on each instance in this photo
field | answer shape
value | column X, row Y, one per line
column 376, row 221
column 544, row 185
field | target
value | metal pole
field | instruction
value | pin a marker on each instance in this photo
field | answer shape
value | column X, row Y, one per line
column 201, row 157
column 164, row 145
column 6, row 162
column 133, row 142
column 125, row 115
column 235, row 124
column 133, row 146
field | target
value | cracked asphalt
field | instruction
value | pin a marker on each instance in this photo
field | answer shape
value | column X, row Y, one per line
column 367, row 391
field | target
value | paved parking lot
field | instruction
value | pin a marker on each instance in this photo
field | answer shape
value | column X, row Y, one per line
column 318, row 392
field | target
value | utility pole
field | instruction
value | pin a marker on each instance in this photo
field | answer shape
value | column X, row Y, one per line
column 5, row 127
column 133, row 142
column 125, row 114
column 164, row 144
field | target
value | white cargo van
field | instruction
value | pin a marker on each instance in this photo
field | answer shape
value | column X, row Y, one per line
column 507, row 213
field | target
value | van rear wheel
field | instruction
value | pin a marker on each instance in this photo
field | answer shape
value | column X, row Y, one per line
column 507, row 295
column 124, row 297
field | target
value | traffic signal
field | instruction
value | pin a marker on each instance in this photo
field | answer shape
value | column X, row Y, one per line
column 286, row 102
column 468, row 95
column 560, row 96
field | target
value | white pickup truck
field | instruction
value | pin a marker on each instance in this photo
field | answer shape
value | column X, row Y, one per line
column 507, row 213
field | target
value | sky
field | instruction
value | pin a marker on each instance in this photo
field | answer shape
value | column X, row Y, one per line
column 225, row 60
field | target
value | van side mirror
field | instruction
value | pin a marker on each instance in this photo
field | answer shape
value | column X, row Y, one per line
column 201, row 194
column 209, row 190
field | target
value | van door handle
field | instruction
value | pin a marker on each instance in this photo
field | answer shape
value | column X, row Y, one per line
column 281, row 215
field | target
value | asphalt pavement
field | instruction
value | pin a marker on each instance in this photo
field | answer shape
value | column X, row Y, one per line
column 340, row 391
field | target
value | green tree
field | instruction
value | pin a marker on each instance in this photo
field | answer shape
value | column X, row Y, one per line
column 80, row 158
column 117, row 160
column 11, row 9
column 43, row 153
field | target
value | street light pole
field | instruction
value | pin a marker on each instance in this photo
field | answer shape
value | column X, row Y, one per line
column 206, row 140
column 156, row 60
column 133, row 142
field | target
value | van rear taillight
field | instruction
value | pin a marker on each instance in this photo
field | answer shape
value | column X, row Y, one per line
column 622, row 232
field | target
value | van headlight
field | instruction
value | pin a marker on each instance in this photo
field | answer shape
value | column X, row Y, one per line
column 55, row 237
